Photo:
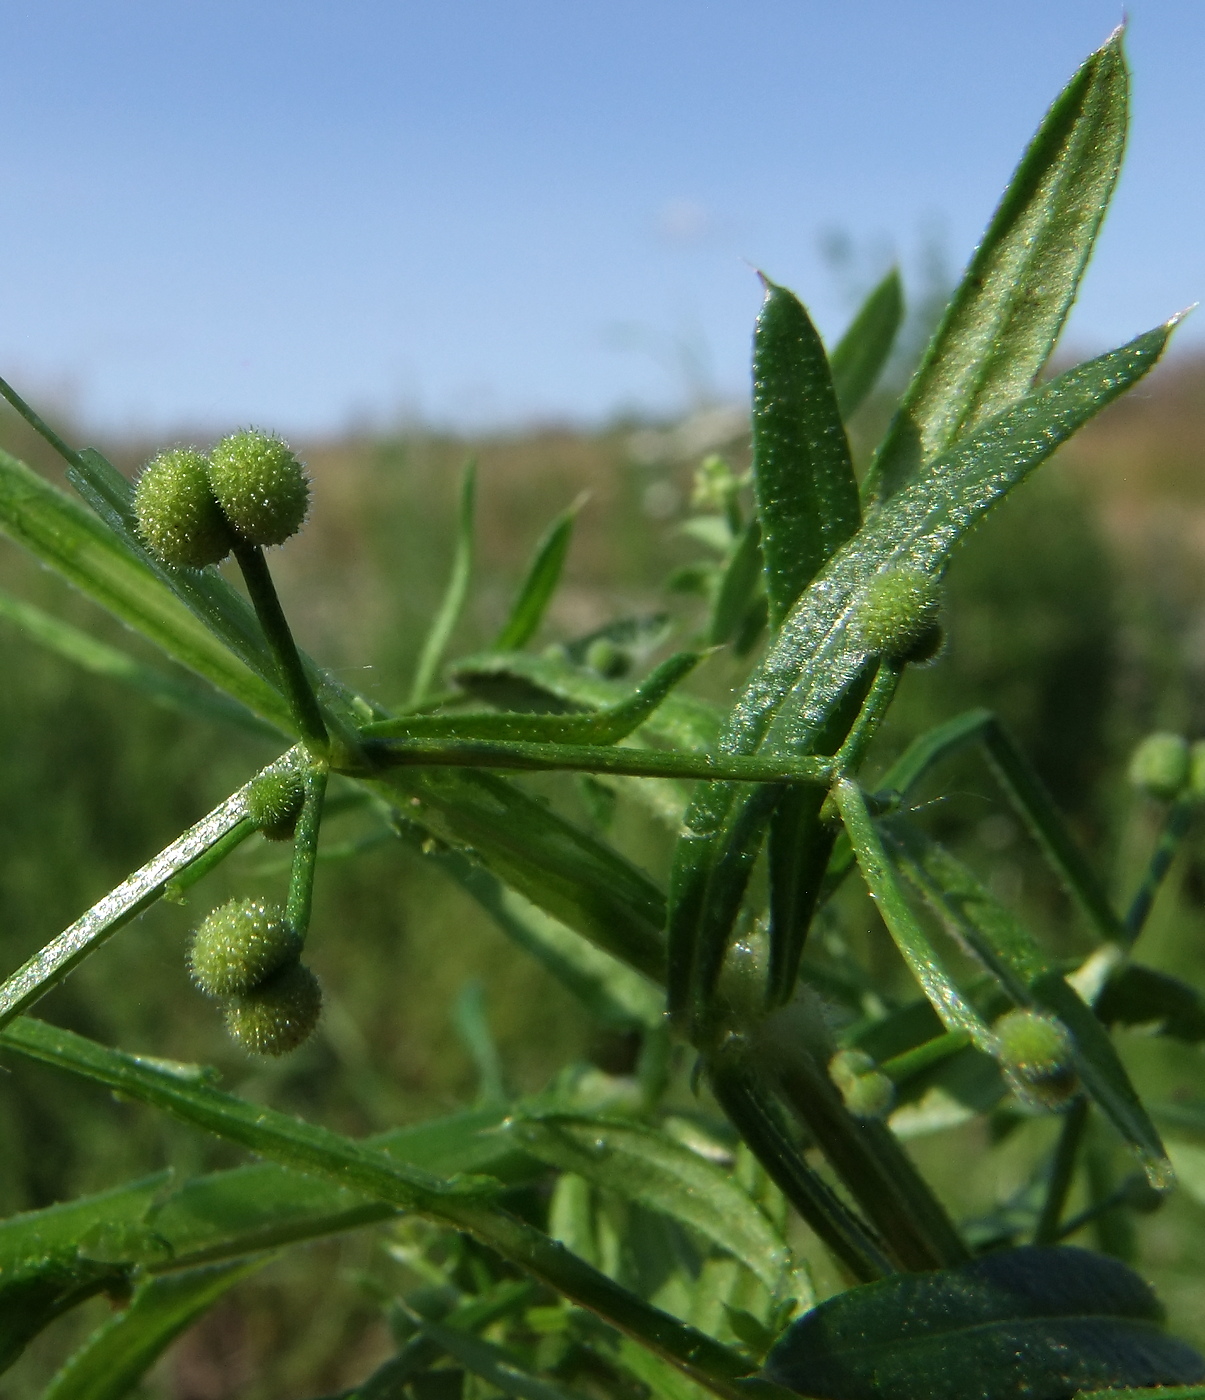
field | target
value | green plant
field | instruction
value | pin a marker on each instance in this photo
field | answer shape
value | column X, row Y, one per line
column 606, row 1237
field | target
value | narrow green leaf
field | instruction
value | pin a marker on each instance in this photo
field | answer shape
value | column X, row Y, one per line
column 1163, row 1392
column 803, row 478
column 649, row 1167
column 739, row 585
column 465, row 1203
column 910, row 938
column 608, row 988
column 543, row 575
column 473, row 1025
column 32, row 1299
column 85, row 651
column 979, row 921
column 116, row 1357
column 860, row 354
column 817, row 658
column 1034, row 1322
column 76, row 545
column 110, row 1226
column 445, row 620
column 1136, row 995
column 492, row 1363
column 1009, row 309
column 606, row 725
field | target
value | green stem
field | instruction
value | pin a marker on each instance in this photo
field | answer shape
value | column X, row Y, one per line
column 902, row 1067
column 1062, row 1173
column 213, row 857
column 596, row 758
column 752, row 1114
column 305, row 851
column 301, row 697
column 39, row 425
column 870, row 716
column 1175, row 827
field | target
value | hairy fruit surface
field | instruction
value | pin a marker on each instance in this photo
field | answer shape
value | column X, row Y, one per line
column 178, row 515
column 260, row 485
column 279, row 1015
column 240, row 945
column 898, row 616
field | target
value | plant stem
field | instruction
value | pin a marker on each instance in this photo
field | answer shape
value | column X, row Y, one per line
column 305, row 851
column 596, row 758
column 932, row 1052
column 752, row 1114
column 1175, row 827
column 213, row 857
column 870, row 716
column 301, row 697
column 1062, row 1173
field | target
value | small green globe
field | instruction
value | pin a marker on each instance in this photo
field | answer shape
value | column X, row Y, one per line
column 866, row 1091
column 607, row 659
column 278, row 1015
column 1037, row 1055
column 898, row 615
column 260, row 485
column 1161, row 765
column 274, row 802
column 177, row 513
column 240, row 945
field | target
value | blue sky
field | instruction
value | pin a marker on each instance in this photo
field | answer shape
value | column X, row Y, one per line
column 317, row 215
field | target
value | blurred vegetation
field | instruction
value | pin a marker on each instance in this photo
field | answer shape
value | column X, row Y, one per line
column 1078, row 614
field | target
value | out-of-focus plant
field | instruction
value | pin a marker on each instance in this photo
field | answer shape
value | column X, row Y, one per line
column 595, row 1239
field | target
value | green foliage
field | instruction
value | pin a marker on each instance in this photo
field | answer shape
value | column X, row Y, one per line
column 621, row 1227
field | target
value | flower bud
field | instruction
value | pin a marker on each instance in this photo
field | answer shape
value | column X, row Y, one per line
column 279, row 1014
column 177, row 513
column 240, row 945
column 1159, row 766
column 1037, row 1055
column 898, row 616
column 866, row 1091
column 260, row 485
column 274, row 802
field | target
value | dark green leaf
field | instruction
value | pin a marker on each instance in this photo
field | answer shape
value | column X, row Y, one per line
column 860, row 354
column 816, row 657
column 492, row 1364
column 32, row 1299
column 1009, row 309
column 1136, row 995
column 807, row 497
column 535, row 593
column 739, row 586
column 1023, row 1324
column 116, row 1357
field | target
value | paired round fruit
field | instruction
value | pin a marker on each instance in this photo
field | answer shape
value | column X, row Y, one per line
column 192, row 510
column 248, row 955
column 274, row 802
column 1162, row 765
column 1037, row 1055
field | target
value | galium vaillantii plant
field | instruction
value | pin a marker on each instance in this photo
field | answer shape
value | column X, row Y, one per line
column 833, row 588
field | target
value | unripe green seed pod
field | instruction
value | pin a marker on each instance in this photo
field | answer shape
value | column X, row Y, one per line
column 178, row 515
column 899, row 615
column 279, row 1014
column 240, row 945
column 867, row 1092
column 261, row 487
column 1159, row 766
column 1037, row 1055
column 607, row 659
column 1196, row 770
column 274, row 802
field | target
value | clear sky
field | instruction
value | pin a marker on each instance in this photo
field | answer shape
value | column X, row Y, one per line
column 313, row 215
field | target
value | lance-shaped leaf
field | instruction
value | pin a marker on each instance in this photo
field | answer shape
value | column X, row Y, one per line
column 1009, row 309
column 818, row 656
column 649, row 1167
column 860, row 354
column 807, row 496
column 543, row 575
column 1135, row 995
column 492, row 1363
column 980, row 922
column 464, row 1203
column 32, row 1299
column 116, row 1357
column 79, row 547
column 1035, row 1323
column 739, row 588
column 448, row 613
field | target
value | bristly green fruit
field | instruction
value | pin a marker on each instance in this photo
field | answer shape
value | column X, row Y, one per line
column 240, row 945
column 899, row 615
column 279, row 1015
column 260, row 485
column 274, row 802
column 1037, row 1055
column 1160, row 765
column 867, row 1092
column 177, row 512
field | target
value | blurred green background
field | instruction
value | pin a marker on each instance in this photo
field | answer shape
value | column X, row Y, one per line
column 1077, row 612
